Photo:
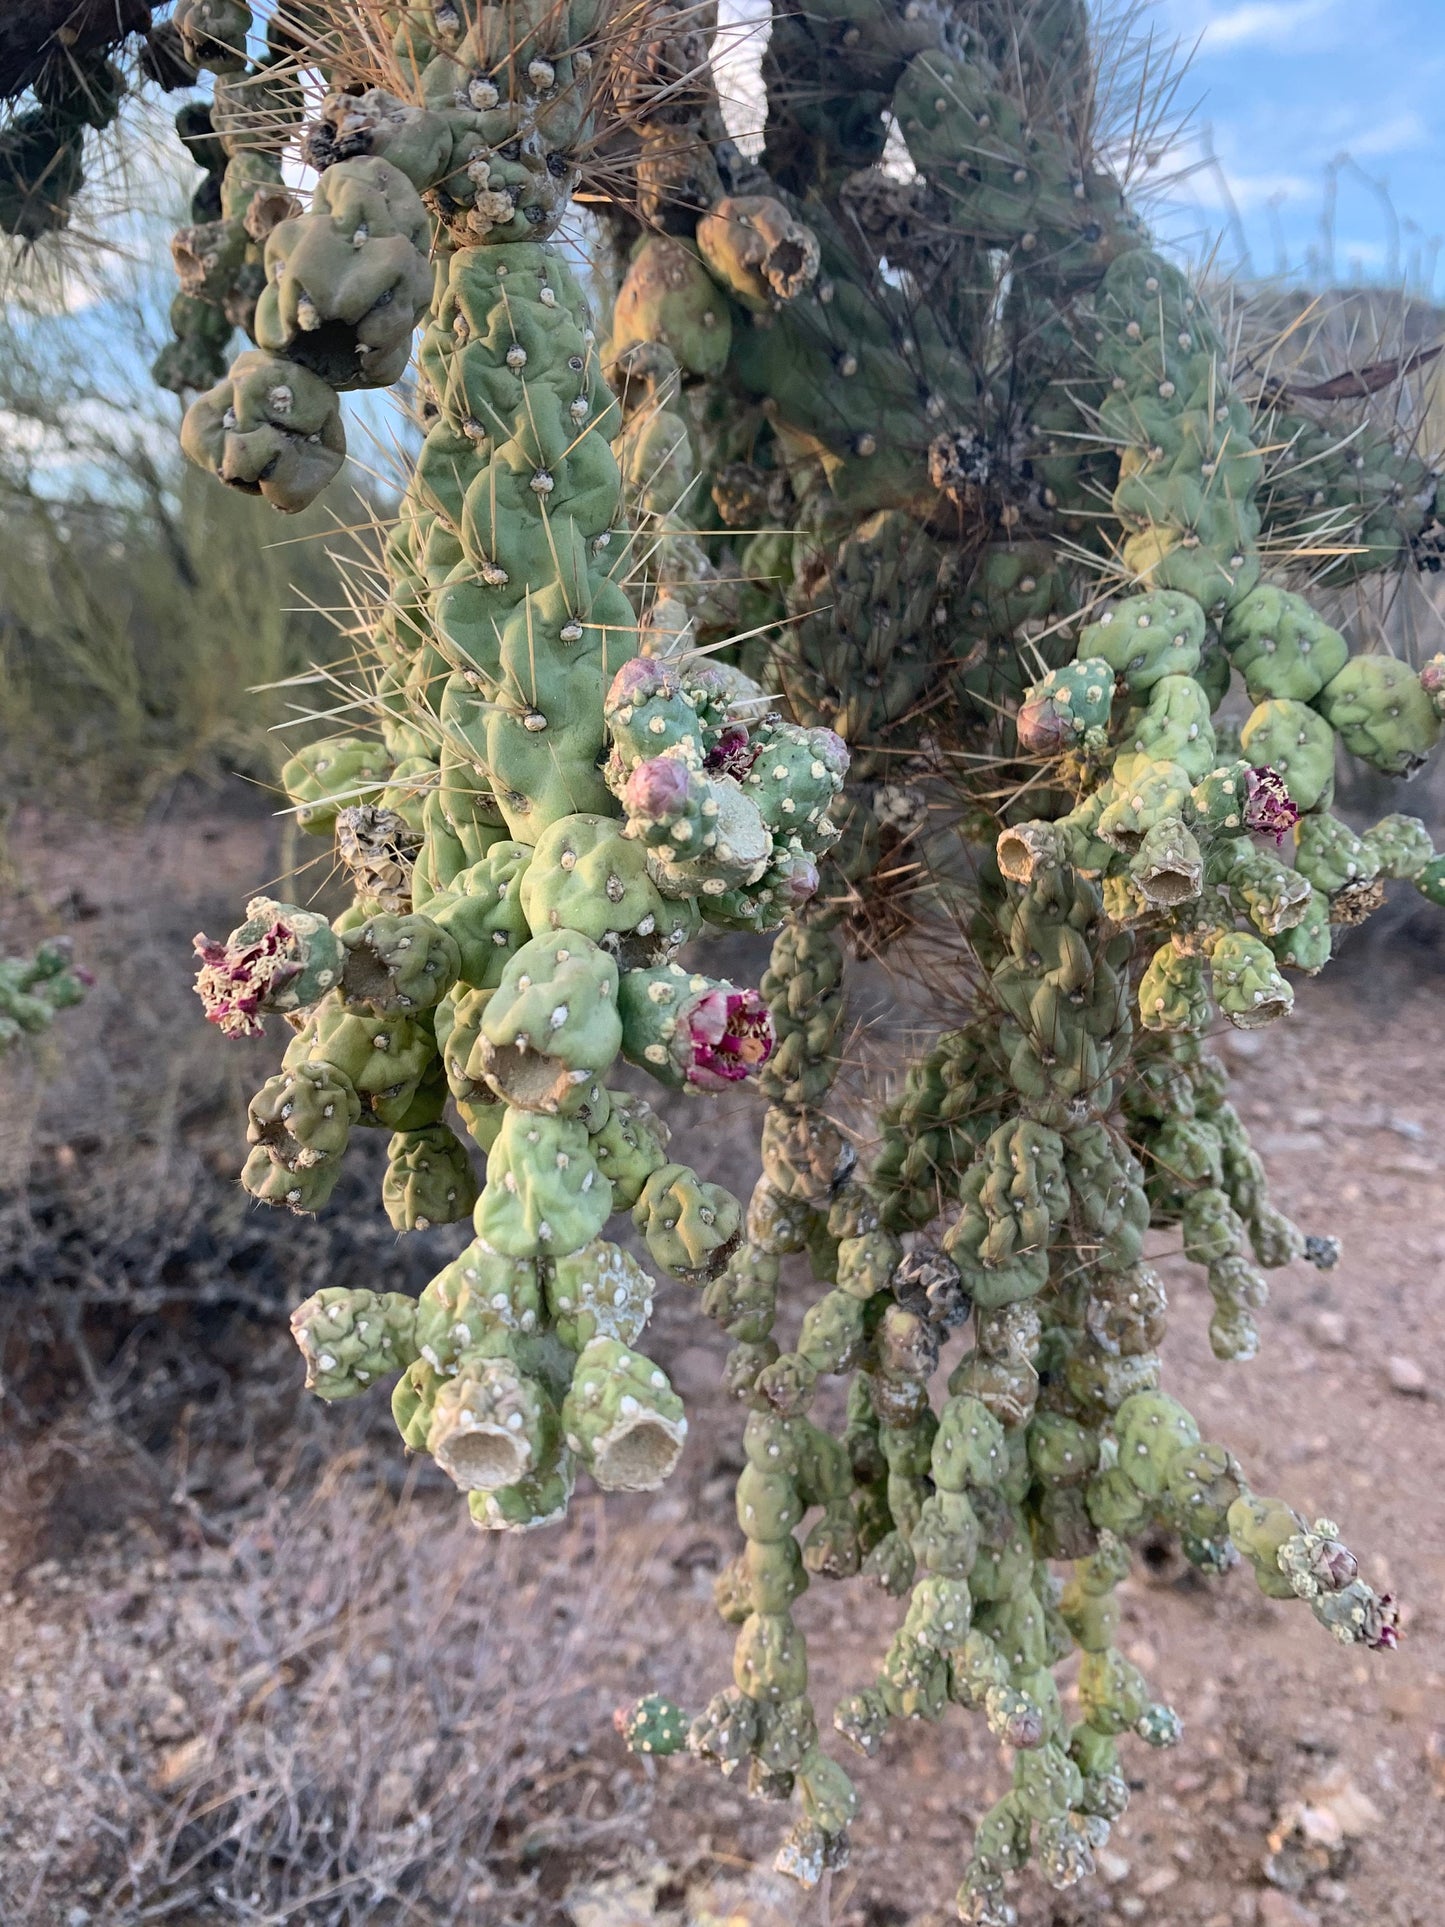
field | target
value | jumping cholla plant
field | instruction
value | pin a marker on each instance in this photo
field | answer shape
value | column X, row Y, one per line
column 928, row 452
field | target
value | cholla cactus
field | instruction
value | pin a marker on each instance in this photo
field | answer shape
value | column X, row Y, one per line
column 1004, row 520
column 34, row 988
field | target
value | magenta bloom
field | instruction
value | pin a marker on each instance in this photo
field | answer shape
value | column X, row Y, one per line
column 1268, row 806
column 1382, row 1628
column 731, row 1035
column 733, row 754
column 234, row 983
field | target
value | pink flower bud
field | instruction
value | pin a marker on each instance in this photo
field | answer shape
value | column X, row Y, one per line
column 658, row 789
column 640, row 679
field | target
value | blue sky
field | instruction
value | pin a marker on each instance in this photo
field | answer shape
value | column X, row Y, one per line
column 1284, row 89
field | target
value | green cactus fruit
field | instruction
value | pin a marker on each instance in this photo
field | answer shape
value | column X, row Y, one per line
column 1145, row 637
column 1142, row 794
column 429, row 1179
column 302, row 1119
column 829, row 1798
column 657, row 706
column 704, row 835
column 347, row 282
column 1059, row 711
column 1013, row 1199
column 1273, row 897
column 629, row 1147
column 382, row 1058
column 395, row 965
column 1061, row 1450
column 668, row 296
column 491, row 1425
column 325, row 777
column 945, row 1543
column 1152, row 1431
column 652, row 1725
column 1173, row 726
column 1332, row 858
column 1174, row 992
column 726, row 1730
column 551, row 1028
column 1092, row 1618
column 1167, row 869
column 1261, row 1528
column 743, row 1298
column 587, row 876
column 1399, row 846
column 213, row 33
column 598, row 1292
column 545, row 1193
column 1430, row 881
column 350, row 1338
column 1381, row 713
column 269, row 428
column 690, row 1228
column 968, row 1448
column 1204, row 1482
column 692, row 1032
column 1280, row 646
column 282, row 959
column 1112, row 1694
column 481, row 910
column 1297, row 742
column 540, row 1500
column 1246, row 985
column 622, row 1419
column 770, row 1660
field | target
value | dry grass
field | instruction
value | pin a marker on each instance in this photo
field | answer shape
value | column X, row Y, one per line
column 355, row 1709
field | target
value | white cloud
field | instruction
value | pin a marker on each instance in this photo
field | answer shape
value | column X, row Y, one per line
column 1397, row 135
column 1258, row 22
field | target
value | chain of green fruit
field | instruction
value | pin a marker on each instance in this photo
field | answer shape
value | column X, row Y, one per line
column 1055, row 1442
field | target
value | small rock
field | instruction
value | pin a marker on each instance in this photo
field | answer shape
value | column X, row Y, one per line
column 1407, row 1377
column 1113, row 1866
column 1132, row 1907
column 1330, row 1328
column 1278, row 1910
column 1158, row 1882
column 1243, row 1044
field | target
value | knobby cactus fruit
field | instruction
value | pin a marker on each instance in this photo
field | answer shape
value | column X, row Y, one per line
column 956, row 525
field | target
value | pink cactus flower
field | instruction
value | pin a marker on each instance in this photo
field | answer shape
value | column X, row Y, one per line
column 1267, row 804
column 731, row 1035
column 233, row 984
column 733, row 754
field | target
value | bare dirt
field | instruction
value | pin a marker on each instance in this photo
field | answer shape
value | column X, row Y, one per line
column 254, row 1668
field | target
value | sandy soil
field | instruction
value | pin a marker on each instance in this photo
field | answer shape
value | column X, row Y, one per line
column 253, row 1669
